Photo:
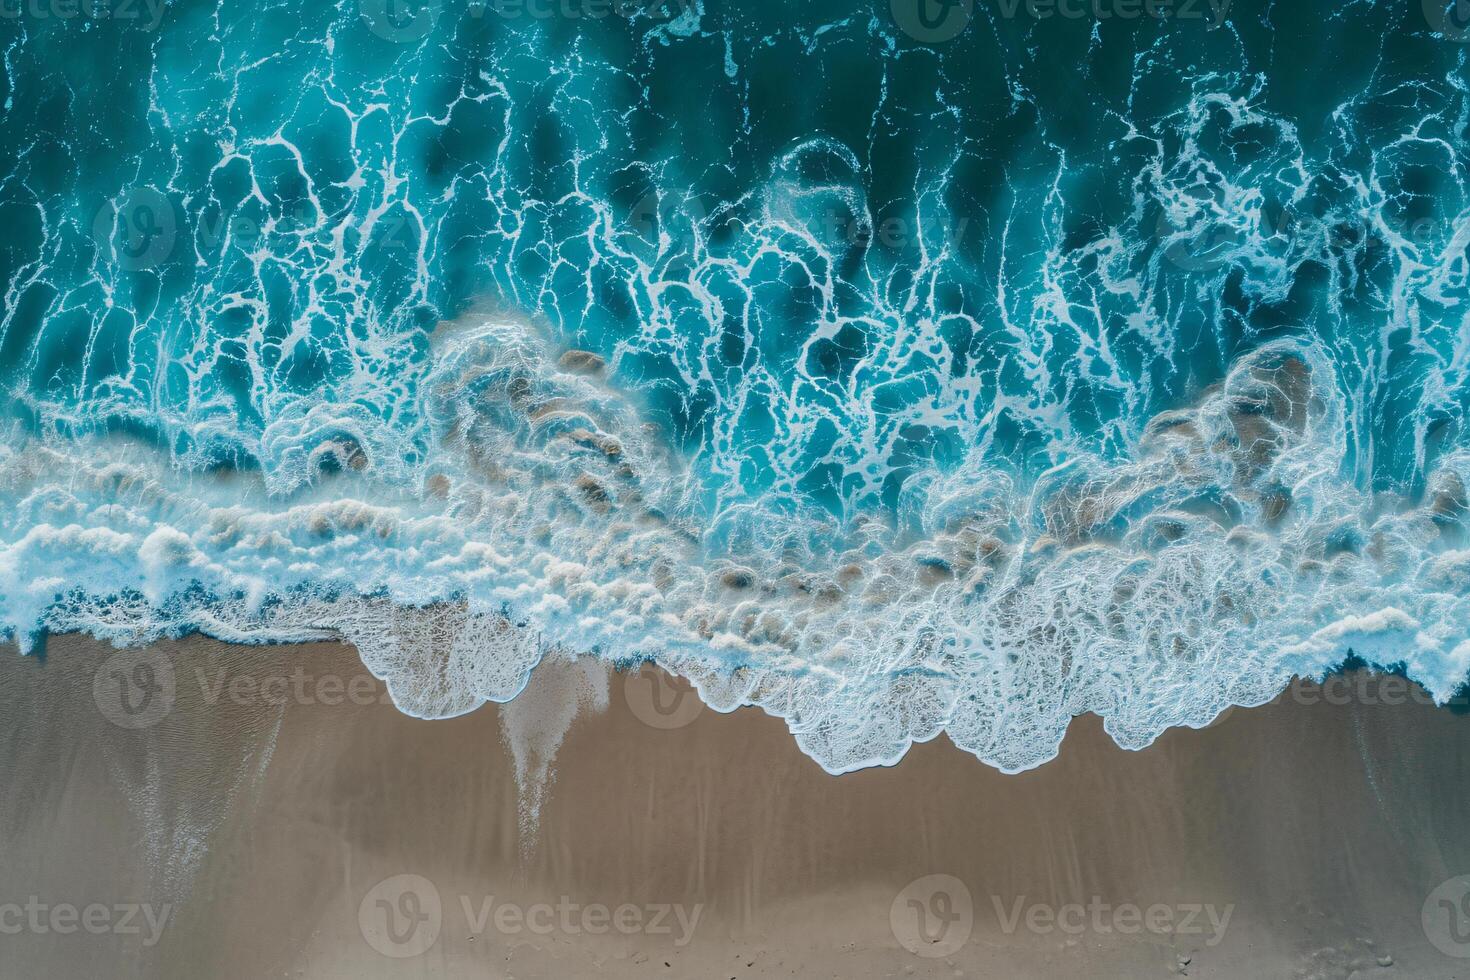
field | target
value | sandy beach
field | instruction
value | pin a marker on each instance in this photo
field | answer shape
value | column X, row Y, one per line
column 203, row 810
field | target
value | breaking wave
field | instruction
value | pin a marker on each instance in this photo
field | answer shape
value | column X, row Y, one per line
column 894, row 397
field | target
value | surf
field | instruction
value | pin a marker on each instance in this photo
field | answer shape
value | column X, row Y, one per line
column 890, row 428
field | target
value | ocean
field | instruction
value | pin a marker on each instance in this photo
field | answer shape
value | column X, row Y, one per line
column 900, row 368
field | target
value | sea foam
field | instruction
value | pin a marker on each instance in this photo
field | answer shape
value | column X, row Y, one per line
column 852, row 374
column 1226, row 555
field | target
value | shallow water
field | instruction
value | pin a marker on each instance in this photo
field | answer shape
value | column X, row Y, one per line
column 900, row 370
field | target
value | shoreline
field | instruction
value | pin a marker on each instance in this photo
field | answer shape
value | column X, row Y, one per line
column 278, row 803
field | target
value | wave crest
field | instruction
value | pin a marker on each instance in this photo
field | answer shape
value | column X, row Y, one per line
column 1226, row 554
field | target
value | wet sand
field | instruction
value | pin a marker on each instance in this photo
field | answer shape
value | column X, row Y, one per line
column 202, row 810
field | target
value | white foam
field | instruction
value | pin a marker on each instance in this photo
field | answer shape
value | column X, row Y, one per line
column 1203, row 571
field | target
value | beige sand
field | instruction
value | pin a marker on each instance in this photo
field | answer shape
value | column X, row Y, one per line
column 677, row 842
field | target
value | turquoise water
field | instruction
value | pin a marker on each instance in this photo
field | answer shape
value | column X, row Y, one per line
column 897, row 367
